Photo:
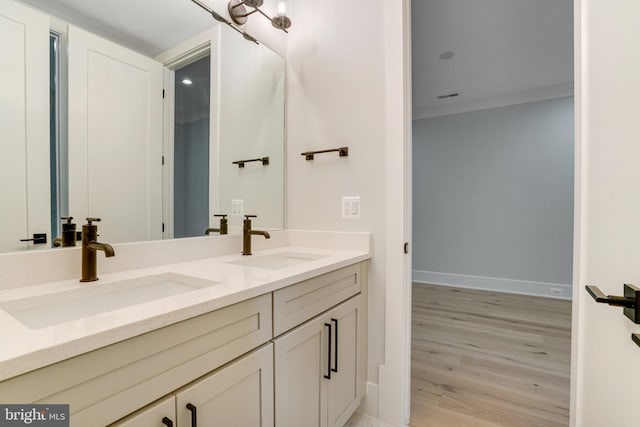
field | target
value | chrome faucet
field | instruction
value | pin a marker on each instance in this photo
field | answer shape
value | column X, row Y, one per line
column 89, row 247
column 224, row 227
column 247, row 232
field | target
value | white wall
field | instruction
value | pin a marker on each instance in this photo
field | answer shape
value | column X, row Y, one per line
column 336, row 97
column 251, row 113
column 493, row 198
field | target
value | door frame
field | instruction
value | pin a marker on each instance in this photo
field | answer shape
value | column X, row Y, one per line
column 186, row 52
column 394, row 393
column 579, row 204
column 394, row 396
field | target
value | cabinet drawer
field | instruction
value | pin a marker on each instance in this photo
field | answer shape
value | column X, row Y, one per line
column 106, row 384
column 298, row 303
column 152, row 415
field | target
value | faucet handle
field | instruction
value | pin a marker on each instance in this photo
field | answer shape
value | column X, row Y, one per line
column 250, row 216
column 223, row 216
column 67, row 218
column 90, row 220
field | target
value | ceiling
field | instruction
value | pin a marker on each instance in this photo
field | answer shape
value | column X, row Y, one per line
column 148, row 27
column 506, row 52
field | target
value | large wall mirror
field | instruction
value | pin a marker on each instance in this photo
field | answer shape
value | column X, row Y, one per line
column 153, row 124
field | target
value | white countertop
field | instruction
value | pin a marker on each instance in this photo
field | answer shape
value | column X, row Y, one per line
column 24, row 349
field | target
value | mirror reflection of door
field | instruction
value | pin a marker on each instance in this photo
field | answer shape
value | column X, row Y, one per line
column 24, row 123
column 191, row 148
column 115, row 138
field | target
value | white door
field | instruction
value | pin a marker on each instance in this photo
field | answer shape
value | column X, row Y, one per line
column 115, row 138
column 606, row 362
column 24, row 126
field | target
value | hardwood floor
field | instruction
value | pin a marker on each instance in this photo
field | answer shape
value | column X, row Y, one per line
column 489, row 359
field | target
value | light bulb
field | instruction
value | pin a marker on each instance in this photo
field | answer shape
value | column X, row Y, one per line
column 282, row 8
column 187, row 82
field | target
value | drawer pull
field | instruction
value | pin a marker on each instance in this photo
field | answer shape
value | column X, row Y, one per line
column 194, row 414
column 335, row 321
column 328, row 376
column 166, row 421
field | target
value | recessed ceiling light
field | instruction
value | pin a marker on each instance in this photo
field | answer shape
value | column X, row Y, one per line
column 187, row 82
column 447, row 55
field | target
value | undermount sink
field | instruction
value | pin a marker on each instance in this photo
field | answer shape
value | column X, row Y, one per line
column 51, row 309
column 278, row 261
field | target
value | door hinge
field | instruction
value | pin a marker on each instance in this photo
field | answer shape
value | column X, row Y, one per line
column 406, row 247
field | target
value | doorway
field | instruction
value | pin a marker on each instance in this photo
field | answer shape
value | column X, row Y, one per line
column 493, row 210
column 191, row 148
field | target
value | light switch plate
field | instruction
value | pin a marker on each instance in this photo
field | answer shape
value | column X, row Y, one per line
column 351, row 207
column 237, row 207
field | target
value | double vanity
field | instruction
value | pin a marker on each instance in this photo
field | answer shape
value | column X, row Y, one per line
column 276, row 338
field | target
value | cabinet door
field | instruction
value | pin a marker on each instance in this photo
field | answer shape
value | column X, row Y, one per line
column 159, row 414
column 344, row 390
column 320, row 368
column 301, row 358
column 237, row 395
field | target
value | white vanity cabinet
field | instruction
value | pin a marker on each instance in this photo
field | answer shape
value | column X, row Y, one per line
column 237, row 395
column 107, row 384
column 320, row 365
column 292, row 357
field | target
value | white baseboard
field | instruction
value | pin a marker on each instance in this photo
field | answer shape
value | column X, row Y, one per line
column 370, row 404
column 360, row 419
column 524, row 287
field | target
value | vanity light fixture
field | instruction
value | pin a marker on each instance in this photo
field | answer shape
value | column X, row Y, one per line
column 239, row 13
column 187, row 82
column 222, row 19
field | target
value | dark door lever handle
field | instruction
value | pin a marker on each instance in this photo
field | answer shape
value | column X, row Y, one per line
column 630, row 301
column 599, row 296
column 38, row 239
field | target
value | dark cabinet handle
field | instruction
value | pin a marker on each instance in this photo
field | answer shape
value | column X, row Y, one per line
column 194, row 414
column 630, row 301
column 328, row 376
column 166, row 421
column 335, row 322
